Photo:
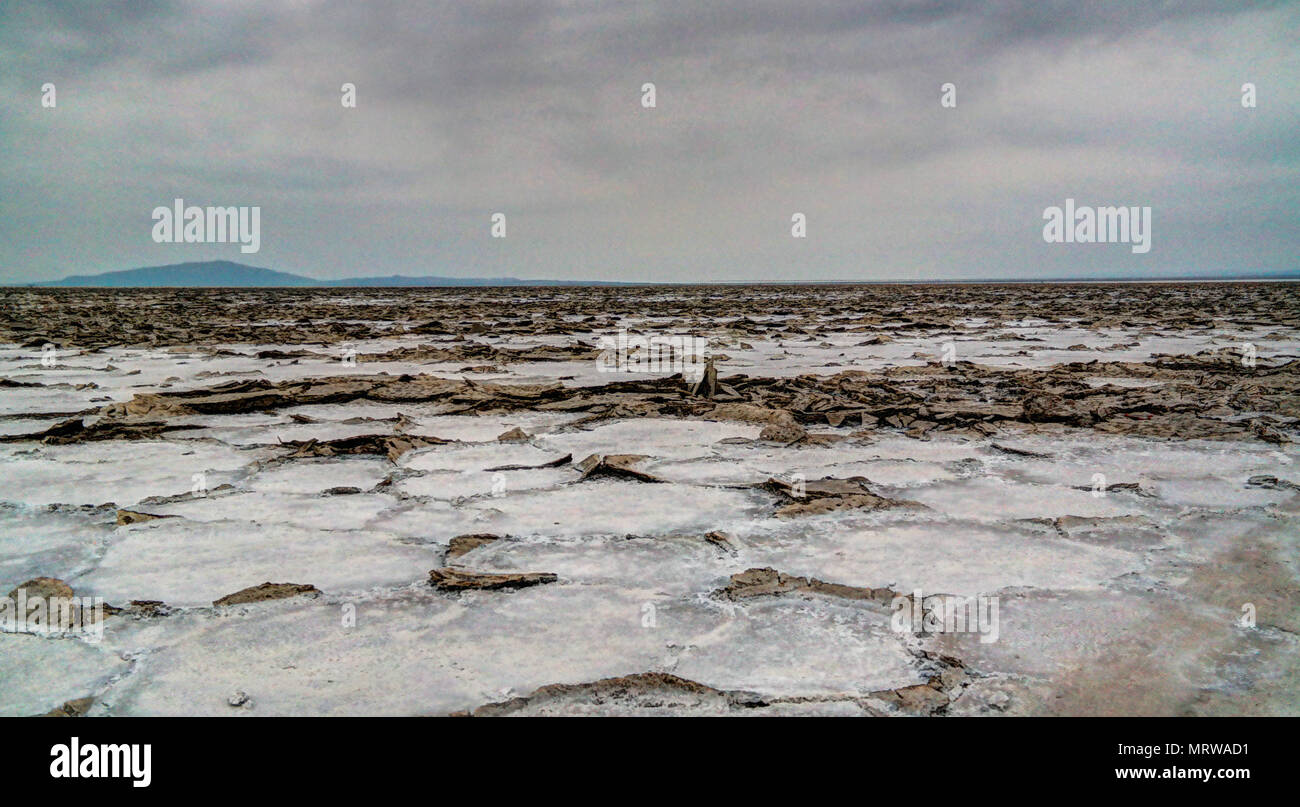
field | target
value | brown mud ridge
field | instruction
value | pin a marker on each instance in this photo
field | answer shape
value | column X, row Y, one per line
column 1208, row 395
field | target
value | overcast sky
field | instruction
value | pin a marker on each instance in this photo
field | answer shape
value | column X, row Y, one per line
column 763, row 109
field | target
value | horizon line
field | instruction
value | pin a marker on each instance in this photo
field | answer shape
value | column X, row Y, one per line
column 369, row 281
column 339, row 284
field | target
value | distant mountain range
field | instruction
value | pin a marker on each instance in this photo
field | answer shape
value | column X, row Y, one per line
column 219, row 274
column 229, row 274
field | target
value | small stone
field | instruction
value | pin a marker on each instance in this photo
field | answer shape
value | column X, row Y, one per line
column 266, row 591
column 73, row 708
column 46, row 588
column 721, row 540
column 125, row 517
column 615, row 465
column 783, row 431
column 462, row 544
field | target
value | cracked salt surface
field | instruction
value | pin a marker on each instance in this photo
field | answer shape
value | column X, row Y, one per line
column 411, row 653
column 120, row 472
column 346, row 512
column 801, row 649
column 607, row 507
column 453, row 485
column 183, row 562
column 36, row 543
column 40, row 674
column 1121, row 603
column 995, row 500
column 661, row 438
column 316, row 475
column 475, row 457
column 939, row 556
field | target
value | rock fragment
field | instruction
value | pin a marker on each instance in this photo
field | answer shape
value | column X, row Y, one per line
column 72, row 708
column 783, row 430
column 392, row 446
column 44, row 588
column 50, row 605
column 920, row 700
column 761, row 582
column 721, row 540
column 1120, row 487
column 267, row 591
column 75, row 430
column 125, row 517
column 707, row 385
column 827, row 495
column 555, row 463
column 448, row 579
column 149, row 608
column 1020, row 452
column 145, row 405
column 462, row 544
column 1270, row 482
column 618, row 466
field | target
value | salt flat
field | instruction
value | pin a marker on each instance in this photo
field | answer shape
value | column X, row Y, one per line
column 1115, row 467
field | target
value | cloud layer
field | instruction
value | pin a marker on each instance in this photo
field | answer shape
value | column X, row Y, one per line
column 764, row 109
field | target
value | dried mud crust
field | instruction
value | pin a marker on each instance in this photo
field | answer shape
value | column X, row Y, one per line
column 1209, row 395
column 98, row 318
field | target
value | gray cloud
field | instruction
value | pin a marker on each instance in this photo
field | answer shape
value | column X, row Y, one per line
column 764, row 109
